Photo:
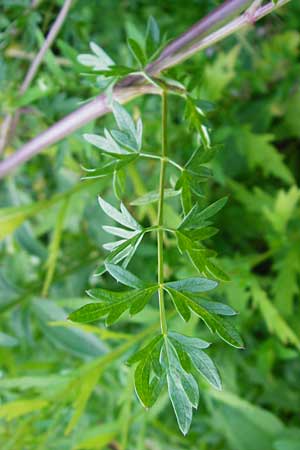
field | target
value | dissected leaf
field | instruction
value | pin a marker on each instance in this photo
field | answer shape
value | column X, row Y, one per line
column 197, row 216
column 123, row 217
column 112, row 304
column 152, row 36
column 194, row 284
column 124, row 276
column 153, row 197
column 180, row 306
column 123, row 119
column 137, row 51
column 200, row 360
column 275, row 323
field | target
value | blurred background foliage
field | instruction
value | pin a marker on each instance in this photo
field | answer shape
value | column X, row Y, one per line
column 66, row 386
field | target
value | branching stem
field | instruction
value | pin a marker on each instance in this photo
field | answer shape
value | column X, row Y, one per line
column 160, row 231
column 168, row 160
column 176, row 52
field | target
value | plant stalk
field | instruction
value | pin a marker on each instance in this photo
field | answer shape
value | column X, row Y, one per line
column 174, row 53
column 160, row 231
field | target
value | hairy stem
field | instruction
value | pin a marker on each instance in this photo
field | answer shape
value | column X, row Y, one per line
column 160, row 231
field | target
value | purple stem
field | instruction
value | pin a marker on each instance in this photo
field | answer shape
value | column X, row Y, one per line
column 99, row 105
column 218, row 15
column 47, row 44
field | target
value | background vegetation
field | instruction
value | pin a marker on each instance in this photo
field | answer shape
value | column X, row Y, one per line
column 67, row 387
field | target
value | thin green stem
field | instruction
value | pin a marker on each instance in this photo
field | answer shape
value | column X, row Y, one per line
column 173, row 163
column 150, row 156
column 168, row 160
column 160, row 231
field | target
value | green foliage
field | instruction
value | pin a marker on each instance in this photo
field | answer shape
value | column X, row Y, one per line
column 232, row 134
column 163, row 359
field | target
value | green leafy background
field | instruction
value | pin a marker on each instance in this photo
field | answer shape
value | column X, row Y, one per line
column 65, row 385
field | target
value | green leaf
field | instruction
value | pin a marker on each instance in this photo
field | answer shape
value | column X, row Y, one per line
column 129, row 218
column 17, row 408
column 285, row 286
column 248, row 427
column 190, row 386
column 196, row 216
column 215, row 307
column 123, row 217
column 202, row 173
column 108, row 146
column 196, row 118
column 182, row 387
column 102, row 55
column 32, row 94
column 180, row 306
column 194, row 284
column 12, row 217
column 205, row 366
column 123, row 119
column 137, row 51
column 83, row 393
column 200, row 234
column 275, row 322
column 218, row 74
column 186, row 193
column 200, row 360
column 54, row 247
column 153, row 197
column 215, row 271
column 97, row 61
column 123, row 252
column 120, row 232
column 124, row 276
column 116, row 71
column 205, row 105
column 201, row 156
column 109, row 167
column 286, row 444
column 97, row 437
column 188, row 342
column 174, row 367
column 282, row 210
column 119, row 183
column 223, row 328
column 145, row 351
column 142, row 382
column 125, row 140
column 185, row 242
column 152, row 36
column 180, row 402
column 74, row 341
column 147, row 358
column 112, row 304
column 8, row 341
column 261, row 153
